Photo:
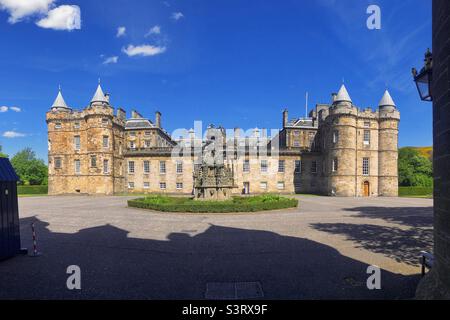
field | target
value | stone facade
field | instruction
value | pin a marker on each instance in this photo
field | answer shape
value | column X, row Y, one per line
column 436, row 285
column 338, row 150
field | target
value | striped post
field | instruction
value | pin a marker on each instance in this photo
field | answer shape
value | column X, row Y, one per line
column 35, row 251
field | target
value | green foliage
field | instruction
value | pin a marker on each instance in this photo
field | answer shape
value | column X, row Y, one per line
column 32, row 171
column 236, row 204
column 32, row 190
column 426, row 192
column 2, row 155
column 414, row 169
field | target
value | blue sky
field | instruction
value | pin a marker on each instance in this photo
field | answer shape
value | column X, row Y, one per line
column 228, row 62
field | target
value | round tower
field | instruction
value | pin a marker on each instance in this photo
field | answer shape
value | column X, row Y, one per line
column 99, row 144
column 389, row 119
column 341, row 142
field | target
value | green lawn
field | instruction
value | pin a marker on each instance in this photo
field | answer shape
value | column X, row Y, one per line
column 416, row 192
column 236, row 204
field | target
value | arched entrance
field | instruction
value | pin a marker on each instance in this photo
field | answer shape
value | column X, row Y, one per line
column 366, row 189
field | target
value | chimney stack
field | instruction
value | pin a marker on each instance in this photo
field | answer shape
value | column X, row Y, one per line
column 107, row 97
column 158, row 119
column 285, row 118
column 333, row 97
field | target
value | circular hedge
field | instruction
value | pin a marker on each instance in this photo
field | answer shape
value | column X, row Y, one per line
column 236, row 204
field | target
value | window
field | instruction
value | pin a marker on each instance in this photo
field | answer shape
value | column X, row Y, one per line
column 246, row 166
column 130, row 185
column 335, row 136
column 147, row 143
column 281, row 166
column 264, row 166
column 58, row 162
column 132, row 134
column 335, row 165
column 93, row 161
column 162, row 185
column 314, row 167
column 58, row 125
column 296, row 133
column 263, row 185
column 131, row 167
column 366, row 166
column 179, row 167
column 77, row 166
column 105, row 142
column 105, row 166
column 146, row 185
column 366, row 137
column 148, row 133
column 179, row 185
column 76, row 125
column 367, row 124
column 132, row 145
column 77, row 143
column 146, row 167
column 298, row 166
column 280, row 185
column 105, row 121
column 162, row 167
column 296, row 144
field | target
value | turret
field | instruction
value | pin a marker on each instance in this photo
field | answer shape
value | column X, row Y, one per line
column 389, row 118
column 99, row 97
column 342, row 149
column 60, row 104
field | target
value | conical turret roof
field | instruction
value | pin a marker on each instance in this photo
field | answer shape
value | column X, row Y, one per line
column 59, row 101
column 387, row 100
column 99, row 96
column 343, row 95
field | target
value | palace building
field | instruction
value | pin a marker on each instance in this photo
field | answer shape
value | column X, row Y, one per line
column 339, row 150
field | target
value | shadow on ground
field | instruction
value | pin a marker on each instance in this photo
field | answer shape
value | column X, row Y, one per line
column 115, row 266
column 402, row 243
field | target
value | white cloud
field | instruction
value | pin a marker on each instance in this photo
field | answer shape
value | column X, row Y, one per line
column 13, row 134
column 177, row 16
column 143, row 50
column 111, row 60
column 19, row 9
column 16, row 109
column 154, row 30
column 4, row 109
column 65, row 17
column 121, row 32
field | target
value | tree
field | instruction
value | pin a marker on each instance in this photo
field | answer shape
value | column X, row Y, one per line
column 2, row 155
column 31, row 171
column 414, row 169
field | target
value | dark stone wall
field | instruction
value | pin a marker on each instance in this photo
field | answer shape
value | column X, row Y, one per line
column 437, row 284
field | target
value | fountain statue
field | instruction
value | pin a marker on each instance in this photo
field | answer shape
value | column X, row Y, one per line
column 213, row 180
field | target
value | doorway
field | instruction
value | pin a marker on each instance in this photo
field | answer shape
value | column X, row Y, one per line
column 246, row 188
column 366, row 189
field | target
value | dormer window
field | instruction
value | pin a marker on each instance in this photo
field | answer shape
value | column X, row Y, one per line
column 58, row 125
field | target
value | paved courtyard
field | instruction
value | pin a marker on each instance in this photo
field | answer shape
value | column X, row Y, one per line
column 319, row 251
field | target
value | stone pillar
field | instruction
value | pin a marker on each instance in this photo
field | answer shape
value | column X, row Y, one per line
column 436, row 285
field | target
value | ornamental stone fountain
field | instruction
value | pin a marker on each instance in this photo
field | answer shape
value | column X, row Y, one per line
column 213, row 180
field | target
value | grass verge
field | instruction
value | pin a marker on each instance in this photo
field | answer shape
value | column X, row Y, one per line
column 416, row 192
